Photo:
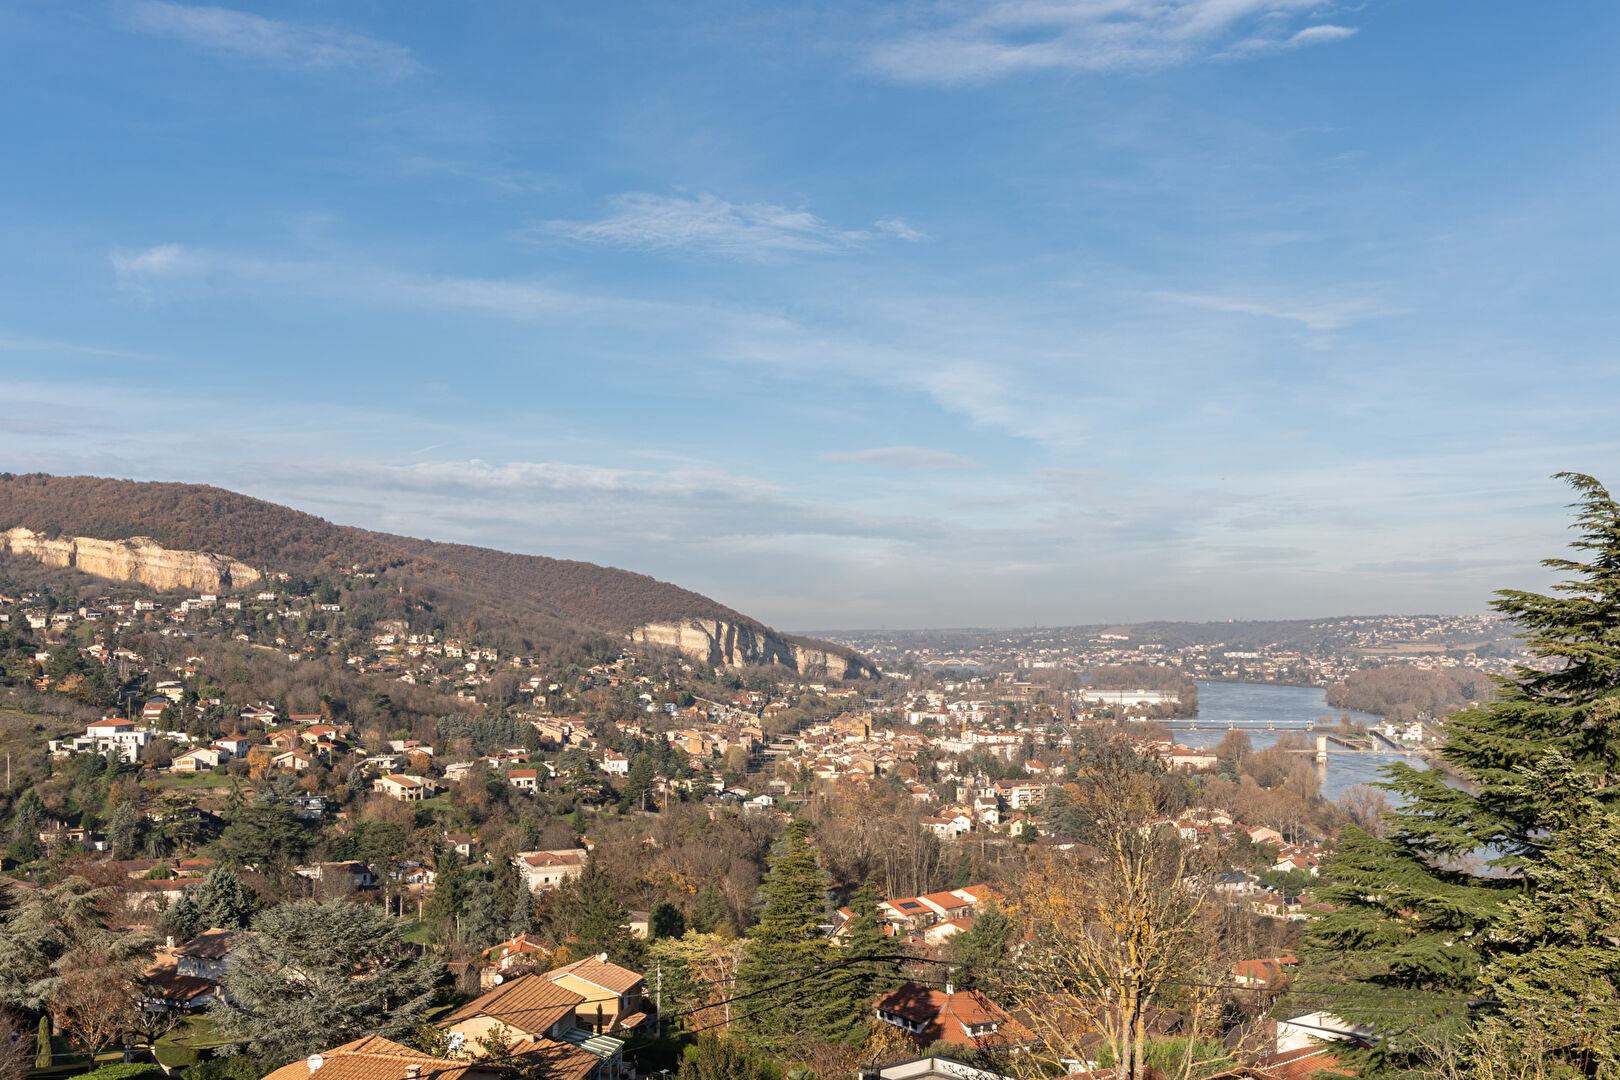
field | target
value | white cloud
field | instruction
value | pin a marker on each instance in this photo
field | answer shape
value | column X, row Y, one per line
column 707, row 224
column 951, row 44
column 1321, row 315
column 1320, row 34
column 282, row 44
column 161, row 260
column 904, row 457
column 900, row 231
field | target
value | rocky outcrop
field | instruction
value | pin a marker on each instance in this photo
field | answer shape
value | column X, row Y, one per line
column 721, row 643
column 138, row 559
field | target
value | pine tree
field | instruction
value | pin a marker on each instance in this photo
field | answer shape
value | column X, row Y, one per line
column 638, row 782
column 708, row 908
column 1415, row 923
column 27, row 815
column 982, row 948
column 181, row 920
column 787, row 952
column 319, row 973
column 224, row 901
column 859, row 985
column 1563, row 931
column 124, row 832
column 964, row 871
column 590, row 915
column 665, row 920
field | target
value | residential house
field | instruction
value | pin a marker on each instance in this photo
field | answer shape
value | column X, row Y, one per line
column 615, row 998
column 524, row 779
column 511, row 953
column 538, row 1013
column 109, row 736
column 1020, row 794
column 1264, row 971
column 543, row 870
column 964, row 1018
column 950, row 905
column 373, row 1057
column 615, row 764
column 349, row 873
column 405, row 788
column 206, row 955
column 200, row 759
column 232, row 745
column 296, row 760
column 936, row 1068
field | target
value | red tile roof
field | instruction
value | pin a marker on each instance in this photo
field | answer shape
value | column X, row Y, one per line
column 598, row 972
column 376, row 1058
column 950, row 1017
column 528, row 1004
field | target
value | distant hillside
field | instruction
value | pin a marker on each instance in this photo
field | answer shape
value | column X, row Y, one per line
column 532, row 596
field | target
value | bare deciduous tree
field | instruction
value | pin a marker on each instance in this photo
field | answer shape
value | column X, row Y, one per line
column 1104, row 939
column 97, row 999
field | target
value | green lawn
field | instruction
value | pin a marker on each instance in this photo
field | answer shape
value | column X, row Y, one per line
column 197, row 1030
column 419, row 934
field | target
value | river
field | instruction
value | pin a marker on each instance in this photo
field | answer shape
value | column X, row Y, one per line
column 1289, row 707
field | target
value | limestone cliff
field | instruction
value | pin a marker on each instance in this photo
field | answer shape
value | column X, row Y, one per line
column 721, row 643
column 138, row 559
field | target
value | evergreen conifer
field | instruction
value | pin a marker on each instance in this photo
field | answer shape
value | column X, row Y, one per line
column 1458, row 899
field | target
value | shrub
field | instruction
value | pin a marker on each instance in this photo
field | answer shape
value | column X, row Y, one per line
column 174, row 1057
column 236, row 1067
column 123, row 1071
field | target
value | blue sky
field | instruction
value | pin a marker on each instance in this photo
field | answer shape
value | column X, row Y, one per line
column 908, row 314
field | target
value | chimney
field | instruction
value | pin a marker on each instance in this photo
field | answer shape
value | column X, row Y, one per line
column 413, row 1070
column 950, row 988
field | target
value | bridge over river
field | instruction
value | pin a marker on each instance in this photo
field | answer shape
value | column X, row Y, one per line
column 1329, row 739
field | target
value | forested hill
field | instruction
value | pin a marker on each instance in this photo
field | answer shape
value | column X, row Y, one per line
column 535, row 596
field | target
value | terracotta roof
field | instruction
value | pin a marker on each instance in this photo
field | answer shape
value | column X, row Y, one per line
column 376, row 1058
column 949, row 1017
column 529, row 1004
column 946, row 900
column 555, row 1060
column 161, row 980
column 519, row 944
column 213, row 944
column 1298, row 1064
column 597, row 971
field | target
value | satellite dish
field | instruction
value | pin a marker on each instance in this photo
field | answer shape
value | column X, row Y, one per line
column 499, row 979
column 315, row 1061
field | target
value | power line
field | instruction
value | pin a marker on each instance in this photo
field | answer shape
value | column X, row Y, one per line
column 811, row 971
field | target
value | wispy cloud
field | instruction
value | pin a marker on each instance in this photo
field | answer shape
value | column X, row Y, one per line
column 904, row 457
column 953, row 44
column 282, row 44
column 711, row 225
column 1320, row 34
column 1313, row 314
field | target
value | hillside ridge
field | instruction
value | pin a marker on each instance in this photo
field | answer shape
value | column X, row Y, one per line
column 534, row 596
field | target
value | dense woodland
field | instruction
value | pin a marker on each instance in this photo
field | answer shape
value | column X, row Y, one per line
column 1402, row 693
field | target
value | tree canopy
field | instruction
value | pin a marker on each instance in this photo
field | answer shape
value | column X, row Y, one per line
column 1494, row 890
column 319, row 973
